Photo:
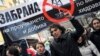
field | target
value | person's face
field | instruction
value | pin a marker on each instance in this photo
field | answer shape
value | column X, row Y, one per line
column 40, row 48
column 80, row 40
column 96, row 24
column 8, row 54
column 56, row 33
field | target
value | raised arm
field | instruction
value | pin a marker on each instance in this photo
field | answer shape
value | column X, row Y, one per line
column 79, row 29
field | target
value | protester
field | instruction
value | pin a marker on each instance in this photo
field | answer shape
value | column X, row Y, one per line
column 63, row 43
column 86, row 47
column 95, row 35
column 41, row 51
column 12, row 51
column 16, row 45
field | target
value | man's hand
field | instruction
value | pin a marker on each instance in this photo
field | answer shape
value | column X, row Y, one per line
column 68, row 15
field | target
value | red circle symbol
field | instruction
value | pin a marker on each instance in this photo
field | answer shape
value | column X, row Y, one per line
column 59, row 8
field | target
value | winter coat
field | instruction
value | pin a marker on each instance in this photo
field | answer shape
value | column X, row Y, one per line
column 46, row 53
column 89, row 49
column 95, row 38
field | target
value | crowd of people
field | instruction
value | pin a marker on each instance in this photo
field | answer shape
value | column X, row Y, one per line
column 81, row 42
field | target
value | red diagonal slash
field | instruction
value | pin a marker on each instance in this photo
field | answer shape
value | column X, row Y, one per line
column 59, row 8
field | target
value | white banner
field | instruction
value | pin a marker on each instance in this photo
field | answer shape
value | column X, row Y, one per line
column 24, row 11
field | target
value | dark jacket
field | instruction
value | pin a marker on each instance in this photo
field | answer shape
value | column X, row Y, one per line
column 66, row 45
column 46, row 53
column 95, row 38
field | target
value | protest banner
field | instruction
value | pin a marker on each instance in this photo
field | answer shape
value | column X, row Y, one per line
column 34, row 16
column 74, row 7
